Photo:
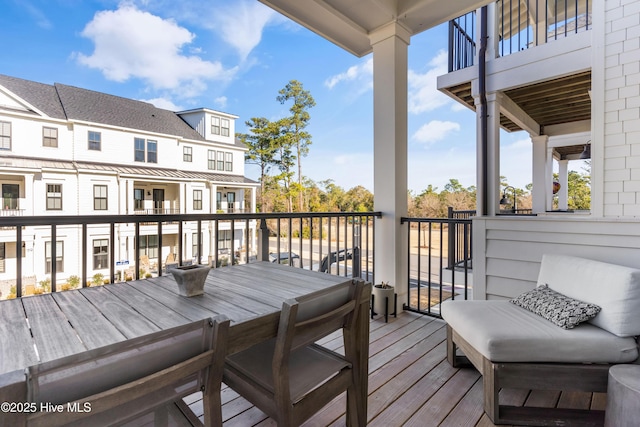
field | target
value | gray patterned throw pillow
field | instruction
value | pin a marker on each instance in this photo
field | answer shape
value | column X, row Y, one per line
column 557, row 308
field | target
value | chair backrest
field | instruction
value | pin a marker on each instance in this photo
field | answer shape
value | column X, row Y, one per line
column 307, row 319
column 174, row 361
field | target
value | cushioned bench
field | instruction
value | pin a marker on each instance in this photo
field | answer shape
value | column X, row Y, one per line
column 513, row 347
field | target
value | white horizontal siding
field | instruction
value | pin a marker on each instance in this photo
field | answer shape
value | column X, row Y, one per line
column 507, row 251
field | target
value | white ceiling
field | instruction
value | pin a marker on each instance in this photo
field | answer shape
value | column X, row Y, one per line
column 348, row 23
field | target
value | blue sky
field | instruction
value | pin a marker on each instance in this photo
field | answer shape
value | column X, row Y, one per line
column 234, row 56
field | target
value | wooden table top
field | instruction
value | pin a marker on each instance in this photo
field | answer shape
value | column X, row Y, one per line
column 46, row 327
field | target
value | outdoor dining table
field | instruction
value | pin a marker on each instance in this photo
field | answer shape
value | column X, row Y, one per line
column 46, row 327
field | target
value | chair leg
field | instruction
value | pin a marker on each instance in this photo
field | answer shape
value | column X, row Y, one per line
column 491, row 390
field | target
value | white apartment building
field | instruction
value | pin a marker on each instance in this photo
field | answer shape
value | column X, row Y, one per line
column 71, row 151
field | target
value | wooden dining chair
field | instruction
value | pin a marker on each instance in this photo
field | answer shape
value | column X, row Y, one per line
column 290, row 377
column 129, row 380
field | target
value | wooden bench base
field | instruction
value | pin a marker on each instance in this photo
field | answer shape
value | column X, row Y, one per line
column 531, row 376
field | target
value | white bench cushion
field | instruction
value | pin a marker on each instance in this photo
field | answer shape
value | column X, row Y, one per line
column 504, row 332
column 615, row 288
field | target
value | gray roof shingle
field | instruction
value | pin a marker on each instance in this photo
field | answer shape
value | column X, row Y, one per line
column 89, row 106
column 68, row 102
column 40, row 95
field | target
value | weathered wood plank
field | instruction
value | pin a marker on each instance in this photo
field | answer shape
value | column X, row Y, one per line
column 414, row 397
column 238, row 309
column 575, row 400
column 599, row 401
column 437, row 408
column 149, row 307
column 181, row 306
column 468, row 410
column 52, row 333
column 125, row 319
column 16, row 349
column 91, row 326
column 543, row 398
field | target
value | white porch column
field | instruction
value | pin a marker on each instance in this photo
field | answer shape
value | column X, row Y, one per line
column 548, row 183
column 390, row 51
column 563, row 179
column 28, row 198
column 253, row 209
column 539, row 172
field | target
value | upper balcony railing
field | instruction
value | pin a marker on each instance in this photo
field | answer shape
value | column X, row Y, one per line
column 520, row 25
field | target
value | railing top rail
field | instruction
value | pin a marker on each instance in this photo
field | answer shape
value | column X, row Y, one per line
column 439, row 220
column 140, row 218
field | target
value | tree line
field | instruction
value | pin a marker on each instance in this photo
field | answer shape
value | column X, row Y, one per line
column 279, row 146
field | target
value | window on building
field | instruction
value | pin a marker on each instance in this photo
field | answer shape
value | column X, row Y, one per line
column 59, row 257
column 138, row 199
column 10, row 196
column 231, row 201
column 49, row 137
column 224, row 239
column 5, row 135
column 186, row 154
column 228, row 162
column 220, row 165
column 194, row 244
column 197, row 200
column 152, row 151
column 54, row 197
column 100, row 254
column 224, row 127
column 95, row 140
column 149, row 246
column 215, row 125
column 100, row 197
column 138, row 149
column 2, row 256
column 211, row 160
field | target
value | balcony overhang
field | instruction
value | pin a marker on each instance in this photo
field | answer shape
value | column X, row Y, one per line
column 349, row 24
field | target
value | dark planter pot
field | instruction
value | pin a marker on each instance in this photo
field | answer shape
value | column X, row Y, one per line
column 190, row 279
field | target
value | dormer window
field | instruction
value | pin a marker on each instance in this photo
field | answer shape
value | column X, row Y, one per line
column 215, row 125
column 220, row 126
column 224, row 127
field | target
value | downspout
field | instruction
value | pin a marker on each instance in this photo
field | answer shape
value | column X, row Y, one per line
column 482, row 83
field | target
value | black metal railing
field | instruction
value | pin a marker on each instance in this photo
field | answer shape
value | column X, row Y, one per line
column 431, row 279
column 462, row 45
column 460, row 240
column 336, row 243
column 521, row 24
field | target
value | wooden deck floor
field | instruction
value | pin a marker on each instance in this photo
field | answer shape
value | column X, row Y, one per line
column 410, row 383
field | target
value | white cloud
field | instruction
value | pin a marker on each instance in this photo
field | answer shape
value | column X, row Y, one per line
column 241, row 24
column 423, row 93
column 129, row 43
column 36, row 14
column 362, row 73
column 163, row 103
column 434, row 131
column 220, row 102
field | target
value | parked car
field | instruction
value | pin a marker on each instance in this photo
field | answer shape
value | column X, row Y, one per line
column 283, row 258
